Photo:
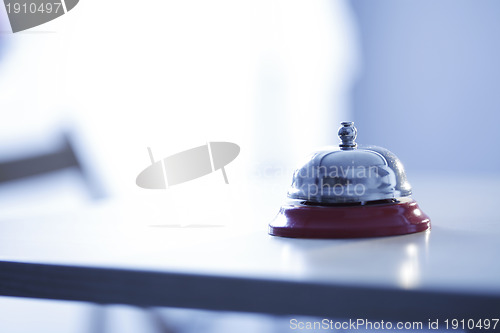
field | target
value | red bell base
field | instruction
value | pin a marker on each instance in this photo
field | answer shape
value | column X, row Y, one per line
column 349, row 222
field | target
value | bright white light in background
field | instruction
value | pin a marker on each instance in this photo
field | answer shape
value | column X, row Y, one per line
column 272, row 77
column 30, row 88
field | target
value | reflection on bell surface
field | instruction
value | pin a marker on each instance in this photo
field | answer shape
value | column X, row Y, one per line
column 348, row 192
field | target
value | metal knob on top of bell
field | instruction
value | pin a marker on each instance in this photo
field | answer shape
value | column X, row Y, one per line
column 349, row 191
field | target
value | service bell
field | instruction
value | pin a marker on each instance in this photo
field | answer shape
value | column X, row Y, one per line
column 347, row 192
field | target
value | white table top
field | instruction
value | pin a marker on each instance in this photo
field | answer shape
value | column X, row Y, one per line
column 226, row 236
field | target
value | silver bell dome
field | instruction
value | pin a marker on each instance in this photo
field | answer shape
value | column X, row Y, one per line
column 350, row 174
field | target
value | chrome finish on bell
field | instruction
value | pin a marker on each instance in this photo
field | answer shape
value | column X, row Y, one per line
column 349, row 174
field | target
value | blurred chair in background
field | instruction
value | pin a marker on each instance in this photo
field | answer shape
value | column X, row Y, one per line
column 61, row 158
column 49, row 178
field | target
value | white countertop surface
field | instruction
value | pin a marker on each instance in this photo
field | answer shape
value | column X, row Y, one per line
column 225, row 235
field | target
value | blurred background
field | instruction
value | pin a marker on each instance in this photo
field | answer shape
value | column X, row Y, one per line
column 83, row 96
column 429, row 81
